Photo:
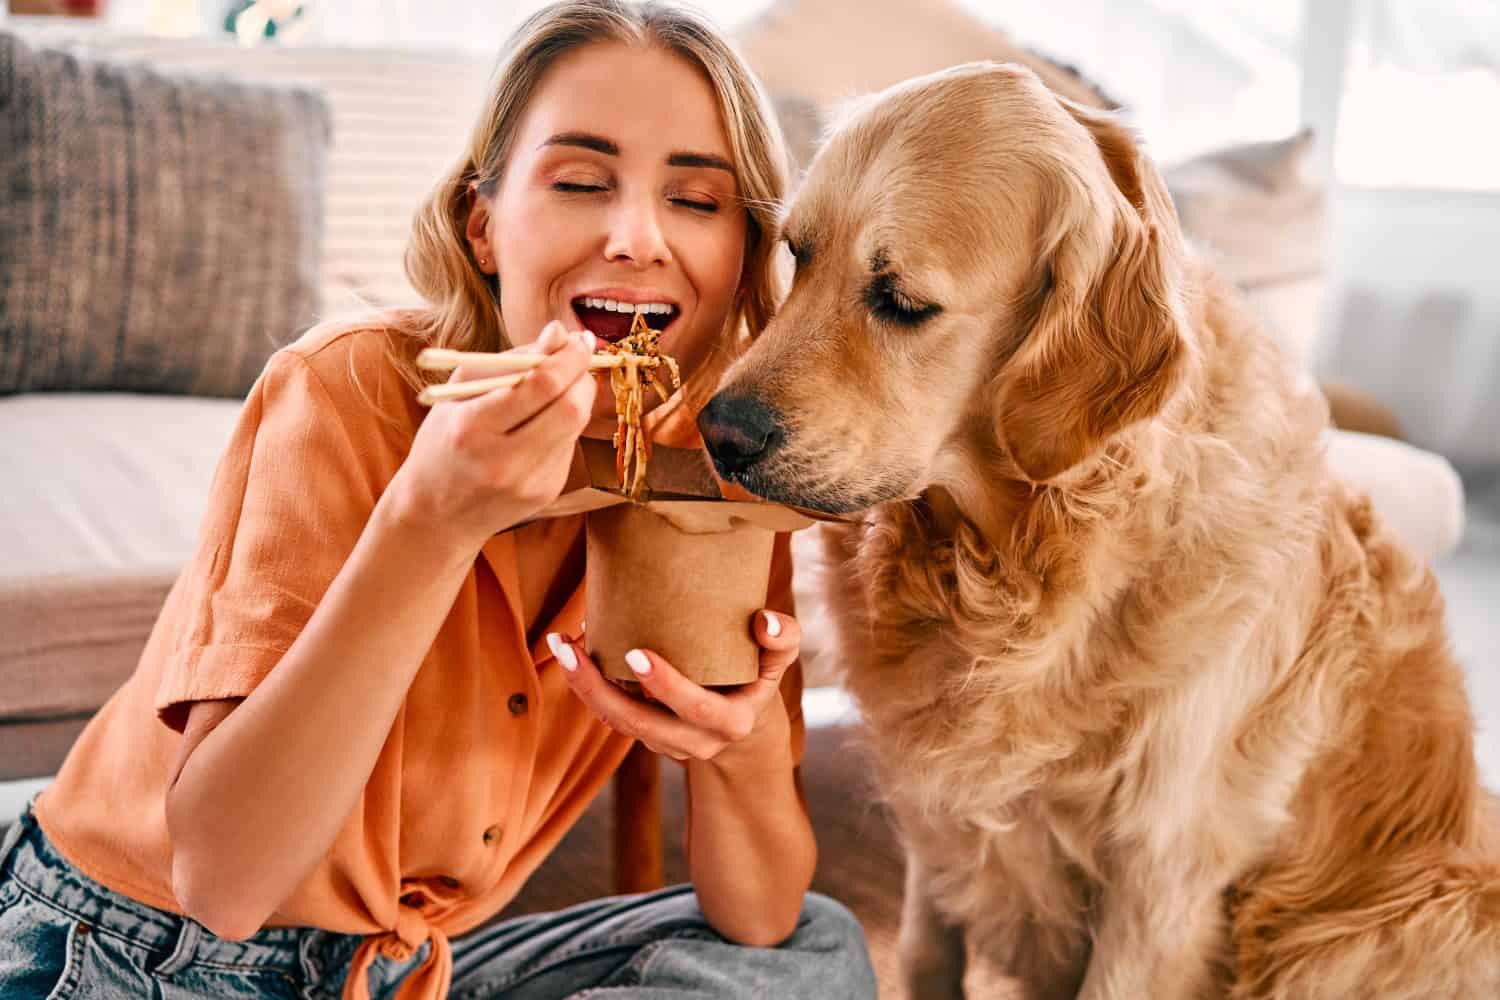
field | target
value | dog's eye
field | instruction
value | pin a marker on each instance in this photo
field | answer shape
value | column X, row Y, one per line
column 800, row 252
column 891, row 305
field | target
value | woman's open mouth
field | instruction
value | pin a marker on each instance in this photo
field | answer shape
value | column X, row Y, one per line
column 610, row 319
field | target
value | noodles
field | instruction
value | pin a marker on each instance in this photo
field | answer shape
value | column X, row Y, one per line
column 641, row 358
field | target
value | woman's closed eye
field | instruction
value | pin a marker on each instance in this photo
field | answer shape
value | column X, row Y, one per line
column 696, row 203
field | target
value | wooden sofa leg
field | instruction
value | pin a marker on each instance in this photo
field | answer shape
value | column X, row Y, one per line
column 637, row 819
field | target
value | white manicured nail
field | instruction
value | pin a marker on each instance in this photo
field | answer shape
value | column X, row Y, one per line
column 587, row 340
column 773, row 624
column 562, row 651
column 638, row 662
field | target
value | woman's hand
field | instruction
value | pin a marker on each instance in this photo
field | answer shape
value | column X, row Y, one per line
column 481, row 465
column 690, row 722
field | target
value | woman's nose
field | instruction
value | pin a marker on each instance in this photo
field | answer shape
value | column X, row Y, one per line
column 635, row 234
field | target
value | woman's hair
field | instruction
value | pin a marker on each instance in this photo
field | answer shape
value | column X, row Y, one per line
column 463, row 302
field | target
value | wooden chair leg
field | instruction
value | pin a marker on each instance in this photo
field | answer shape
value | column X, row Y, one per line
column 637, row 820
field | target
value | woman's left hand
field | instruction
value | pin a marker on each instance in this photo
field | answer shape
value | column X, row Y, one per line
column 688, row 721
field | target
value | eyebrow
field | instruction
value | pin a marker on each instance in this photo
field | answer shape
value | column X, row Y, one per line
column 599, row 144
column 699, row 160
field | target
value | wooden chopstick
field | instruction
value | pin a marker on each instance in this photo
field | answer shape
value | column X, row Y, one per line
column 505, row 370
column 463, row 390
column 443, row 359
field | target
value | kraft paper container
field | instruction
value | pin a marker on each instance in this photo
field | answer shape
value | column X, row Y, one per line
column 681, row 574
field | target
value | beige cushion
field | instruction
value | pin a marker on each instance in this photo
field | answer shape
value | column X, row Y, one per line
column 1418, row 493
column 71, row 639
column 103, row 496
column 1258, row 213
column 105, row 482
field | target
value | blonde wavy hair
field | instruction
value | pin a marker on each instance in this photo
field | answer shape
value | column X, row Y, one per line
column 462, row 303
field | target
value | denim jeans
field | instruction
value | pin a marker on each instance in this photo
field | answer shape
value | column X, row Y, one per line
column 64, row 935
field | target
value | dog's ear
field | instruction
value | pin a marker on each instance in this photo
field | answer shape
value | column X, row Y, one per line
column 1107, row 344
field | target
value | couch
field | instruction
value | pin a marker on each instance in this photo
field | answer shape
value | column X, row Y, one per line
column 104, row 487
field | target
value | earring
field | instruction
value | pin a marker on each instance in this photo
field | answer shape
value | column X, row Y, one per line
column 484, row 262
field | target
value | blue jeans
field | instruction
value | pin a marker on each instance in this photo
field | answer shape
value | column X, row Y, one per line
column 64, row 935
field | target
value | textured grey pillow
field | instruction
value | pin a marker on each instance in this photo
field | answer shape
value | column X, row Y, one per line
column 157, row 233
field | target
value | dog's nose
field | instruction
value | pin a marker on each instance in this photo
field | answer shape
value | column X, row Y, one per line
column 739, row 431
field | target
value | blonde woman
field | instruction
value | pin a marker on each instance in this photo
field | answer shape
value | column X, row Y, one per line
column 363, row 718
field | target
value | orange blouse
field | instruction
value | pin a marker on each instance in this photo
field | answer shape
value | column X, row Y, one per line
column 491, row 759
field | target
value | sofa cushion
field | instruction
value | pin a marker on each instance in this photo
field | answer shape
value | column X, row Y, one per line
column 103, row 498
column 158, row 233
column 100, row 482
column 1258, row 213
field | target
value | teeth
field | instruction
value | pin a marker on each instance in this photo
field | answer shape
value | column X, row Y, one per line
column 614, row 305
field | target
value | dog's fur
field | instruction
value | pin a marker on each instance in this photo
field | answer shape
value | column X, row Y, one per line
column 1162, row 708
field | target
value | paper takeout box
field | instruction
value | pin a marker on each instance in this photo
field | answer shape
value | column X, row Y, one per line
column 680, row 574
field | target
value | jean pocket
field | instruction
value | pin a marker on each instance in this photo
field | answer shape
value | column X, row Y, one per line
column 41, row 948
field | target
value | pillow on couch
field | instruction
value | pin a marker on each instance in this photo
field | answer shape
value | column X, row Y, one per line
column 1258, row 212
column 157, row 233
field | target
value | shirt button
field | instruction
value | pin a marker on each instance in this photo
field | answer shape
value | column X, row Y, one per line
column 492, row 836
column 517, row 704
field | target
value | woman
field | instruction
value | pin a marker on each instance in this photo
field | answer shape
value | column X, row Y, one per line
column 363, row 718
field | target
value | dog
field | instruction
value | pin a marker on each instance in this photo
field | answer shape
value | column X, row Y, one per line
column 1159, row 705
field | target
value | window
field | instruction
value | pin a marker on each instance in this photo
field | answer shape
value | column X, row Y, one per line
column 1420, row 95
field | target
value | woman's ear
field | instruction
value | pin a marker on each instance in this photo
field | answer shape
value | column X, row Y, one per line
column 1106, row 348
column 477, row 228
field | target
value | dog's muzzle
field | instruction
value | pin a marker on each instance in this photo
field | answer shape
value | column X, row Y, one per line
column 740, row 432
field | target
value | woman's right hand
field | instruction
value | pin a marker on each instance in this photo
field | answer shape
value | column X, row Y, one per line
column 484, row 464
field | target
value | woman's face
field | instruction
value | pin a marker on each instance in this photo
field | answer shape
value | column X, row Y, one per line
column 619, row 196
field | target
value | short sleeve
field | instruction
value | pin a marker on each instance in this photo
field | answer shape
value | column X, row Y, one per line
column 288, row 501
column 779, row 598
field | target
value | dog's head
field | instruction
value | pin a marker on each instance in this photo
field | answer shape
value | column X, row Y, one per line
column 979, row 265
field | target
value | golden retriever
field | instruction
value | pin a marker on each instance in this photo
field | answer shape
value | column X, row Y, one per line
column 1161, row 708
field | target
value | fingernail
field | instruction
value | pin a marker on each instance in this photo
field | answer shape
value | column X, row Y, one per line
column 638, row 662
column 583, row 626
column 562, row 651
column 773, row 624
column 587, row 340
